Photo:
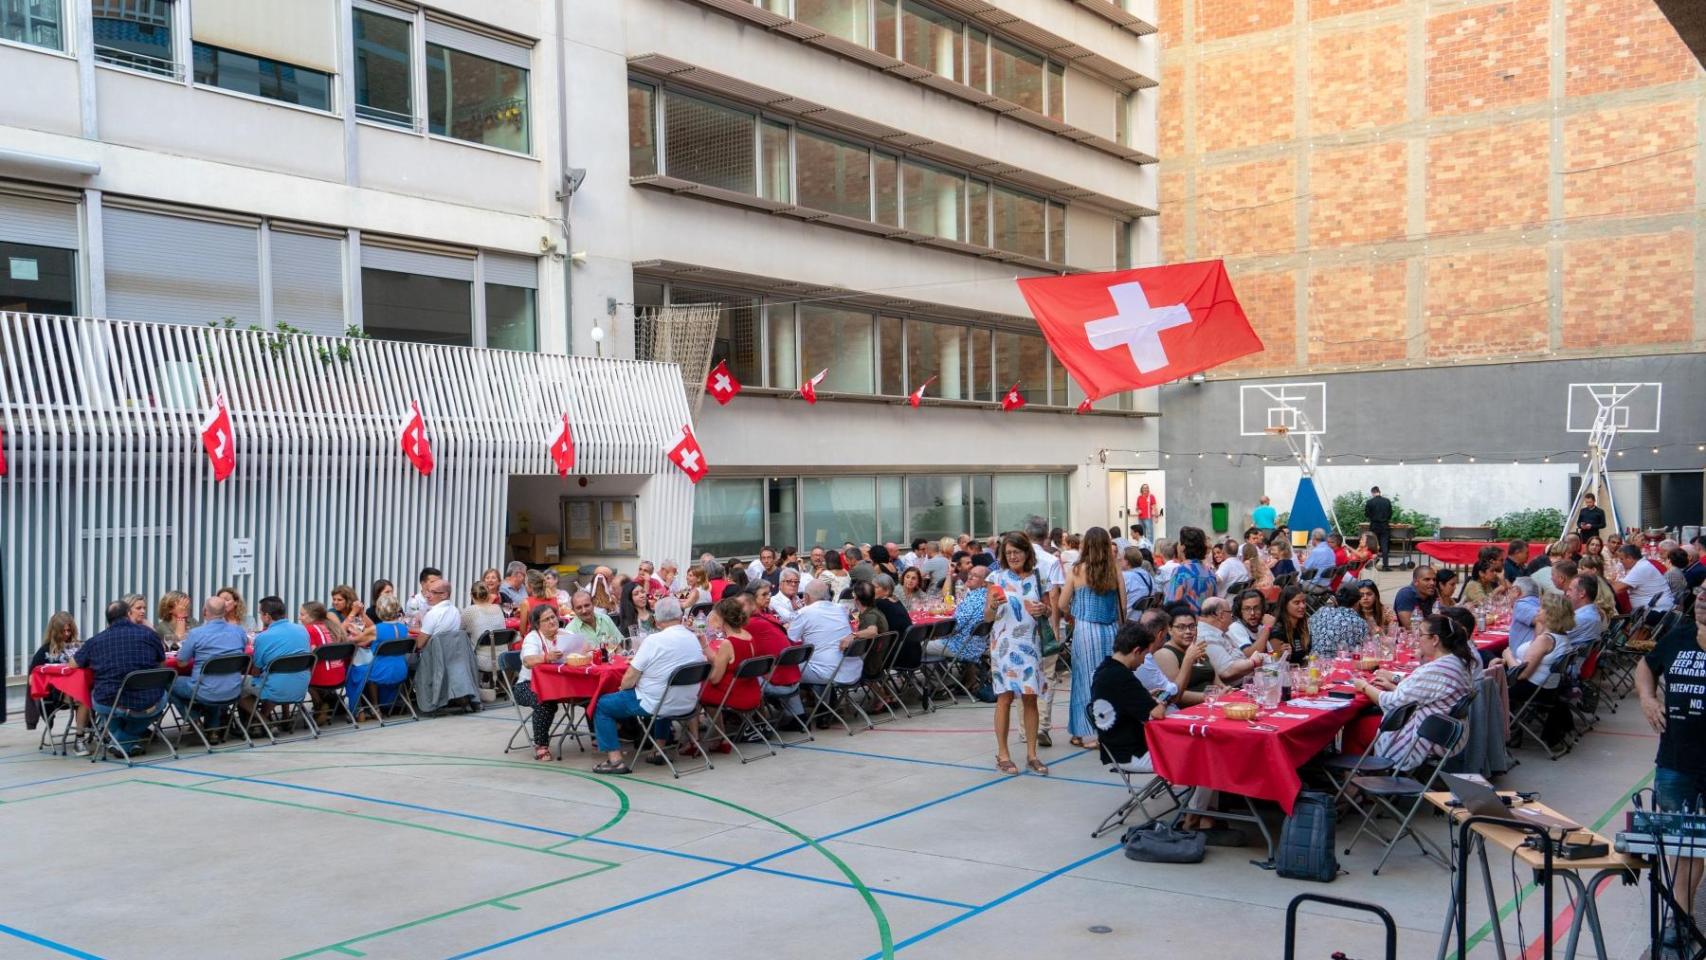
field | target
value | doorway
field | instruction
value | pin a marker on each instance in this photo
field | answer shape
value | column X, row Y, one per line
column 1123, row 487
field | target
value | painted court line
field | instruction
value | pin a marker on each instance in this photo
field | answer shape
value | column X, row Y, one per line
column 49, row 944
column 953, row 766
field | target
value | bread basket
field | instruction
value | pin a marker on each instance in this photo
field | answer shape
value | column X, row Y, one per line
column 577, row 659
column 1239, row 711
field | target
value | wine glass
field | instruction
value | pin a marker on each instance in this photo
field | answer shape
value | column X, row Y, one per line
column 1211, row 694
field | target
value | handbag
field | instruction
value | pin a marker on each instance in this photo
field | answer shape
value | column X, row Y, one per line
column 1156, row 842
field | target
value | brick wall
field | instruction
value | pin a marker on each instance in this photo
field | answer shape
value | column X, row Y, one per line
column 1466, row 181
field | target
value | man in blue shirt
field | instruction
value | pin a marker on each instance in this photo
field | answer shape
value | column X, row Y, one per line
column 1321, row 557
column 1523, row 612
column 216, row 637
column 113, row 653
column 1417, row 599
column 278, row 637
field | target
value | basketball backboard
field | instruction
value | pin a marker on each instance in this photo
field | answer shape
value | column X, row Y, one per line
column 1635, row 407
column 1297, row 407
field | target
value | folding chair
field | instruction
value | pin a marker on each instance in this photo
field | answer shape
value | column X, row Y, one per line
column 509, row 665
column 1526, row 715
column 381, row 704
column 1135, row 798
column 1616, row 674
column 793, row 656
column 691, row 675
column 945, row 671
column 326, row 656
column 1441, row 733
column 873, row 679
column 495, row 643
column 230, row 664
column 833, row 689
column 699, row 611
column 1341, row 768
column 1239, row 587
column 285, row 666
column 907, row 664
column 751, row 721
column 154, row 681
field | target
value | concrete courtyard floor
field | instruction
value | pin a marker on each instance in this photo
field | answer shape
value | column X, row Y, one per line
column 426, row 841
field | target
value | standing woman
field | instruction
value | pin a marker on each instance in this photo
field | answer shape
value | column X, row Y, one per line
column 1016, row 659
column 1148, row 508
column 1095, row 593
column 172, row 619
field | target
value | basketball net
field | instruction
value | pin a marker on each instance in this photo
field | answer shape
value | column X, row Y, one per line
column 1595, row 479
column 1307, row 453
column 682, row 334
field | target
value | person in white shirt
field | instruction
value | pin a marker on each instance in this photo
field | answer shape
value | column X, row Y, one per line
column 1231, row 572
column 1230, row 664
column 914, row 555
column 543, row 645
column 1166, row 554
column 1121, row 541
column 442, row 615
column 645, row 687
column 823, row 624
column 1646, row 585
column 1140, row 538
column 417, row 605
column 786, row 601
column 1251, row 623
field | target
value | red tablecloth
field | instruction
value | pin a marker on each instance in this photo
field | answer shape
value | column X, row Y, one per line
column 68, row 679
column 553, row 681
column 1457, row 553
column 1232, row 756
column 1492, row 641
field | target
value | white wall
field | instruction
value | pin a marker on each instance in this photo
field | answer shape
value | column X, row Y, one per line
column 1459, row 494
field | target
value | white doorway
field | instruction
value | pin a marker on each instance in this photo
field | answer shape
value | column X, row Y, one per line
column 1123, row 487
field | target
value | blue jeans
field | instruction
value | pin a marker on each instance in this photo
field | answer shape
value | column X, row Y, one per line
column 1675, row 790
column 614, row 708
column 128, row 725
column 211, row 712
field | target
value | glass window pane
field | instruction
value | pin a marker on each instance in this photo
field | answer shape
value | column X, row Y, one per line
column 1056, row 233
column 1058, row 513
column 778, row 178
column 138, row 36
column 1016, row 75
column 935, row 200
column 382, row 69
column 709, row 143
column 838, row 341
column 1020, row 223
column 930, row 40
column 642, row 130
column 510, row 320
column 884, row 34
column 416, row 309
column 38, row 279
column 938, row 350
column 783, row 518
column 981, row 506
column 977, row 59
column 1022, row 359
column 475, row 99
column 889, row 352
column 35, row 22
column 936, row 506
column 1056, row 91
column 977, row 203
column 230, row 70
column 849, row 21
column 891, row 524
column 737, row 329
column 784, row 357
column 888, row 198
column 983, row 345
column 837, row 510
column 1122, row 245
column 774, row 6
column 1057, row 380
column 833, row 176
column 1017, row 497
column 728, row 517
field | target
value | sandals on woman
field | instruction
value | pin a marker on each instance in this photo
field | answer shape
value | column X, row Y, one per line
column 1006, row 766
column 606, row 766
column 541, row 753
column 1077, row 741
column 1037, row 766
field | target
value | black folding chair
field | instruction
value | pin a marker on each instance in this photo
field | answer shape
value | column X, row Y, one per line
column 1441, row 733
column 1135, row 798
column 906, row 666
column 154, row 681
column 691, row 675
column 1528, row 718
column 379, row 703
column 873, row 680
column 793, row 656
column 509, row 665
column 1341, row 768
column 754, row 669
column 225, row 665
column 338, row 693
column 699, row 611
column 288, row 665
column 495, row 643
column 945, row 671
column 833, row 690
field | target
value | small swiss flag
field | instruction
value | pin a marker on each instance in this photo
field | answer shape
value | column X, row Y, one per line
column 685, row 453
column 563, row 449
column 809, row 388
column 1013, row 399
column 917, row 396
column 722, row 384
column 414, row 440
column 1084, row 405
column 219, row 440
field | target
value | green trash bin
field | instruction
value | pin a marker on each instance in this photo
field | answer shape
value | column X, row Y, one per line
column 1218, row 515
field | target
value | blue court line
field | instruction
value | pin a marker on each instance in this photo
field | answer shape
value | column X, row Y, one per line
column 998, row 901
column 945, row 763
column 49, row 944
column 104, row 768
column 660, row 851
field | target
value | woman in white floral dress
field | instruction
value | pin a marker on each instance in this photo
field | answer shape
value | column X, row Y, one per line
column 1015, row 658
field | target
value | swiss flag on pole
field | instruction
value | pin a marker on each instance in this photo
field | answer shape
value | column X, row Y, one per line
column 685, row 453
column 218, row 439
column 722, row 384
column 917, row 396
column 563, row 449
column 1013, row 399
column 413, row 438
column 1136, row 328
column 809, row 388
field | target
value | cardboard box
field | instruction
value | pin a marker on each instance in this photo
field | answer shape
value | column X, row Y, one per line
column 535, row 547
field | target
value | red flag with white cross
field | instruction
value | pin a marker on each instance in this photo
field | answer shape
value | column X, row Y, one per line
column 412, row 436
column 563, row 449
column 219, row 440
column 917, row 396
column 685, row 453
column 809, row 388
column 1130, row 329
column 1013, row 399
column 721, row 383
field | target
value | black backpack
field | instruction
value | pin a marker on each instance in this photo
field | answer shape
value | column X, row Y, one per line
column 1306, row 840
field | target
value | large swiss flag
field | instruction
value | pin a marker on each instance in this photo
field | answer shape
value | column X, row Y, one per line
column 1128, row 329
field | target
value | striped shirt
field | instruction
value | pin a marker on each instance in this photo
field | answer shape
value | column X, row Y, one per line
column 1434, row 687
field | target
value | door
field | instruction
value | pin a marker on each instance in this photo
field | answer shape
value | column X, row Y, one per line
column 1119, row 507
column 1157, row 480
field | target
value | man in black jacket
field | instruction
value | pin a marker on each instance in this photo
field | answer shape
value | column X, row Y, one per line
column 1378, row 510
column 1591, row 520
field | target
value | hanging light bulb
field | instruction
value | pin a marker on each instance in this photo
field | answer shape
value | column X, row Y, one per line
column 1471, row 459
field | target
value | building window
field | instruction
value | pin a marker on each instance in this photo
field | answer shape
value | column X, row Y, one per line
column 838, row 510
column 417, row 309
column 891, row 364
column 36, row 279
column 35, row 22
column 834, row 177
column 135, row 34
column 475, row 99
column 1122, row 244
column 737, row 329
column 1019, row 497
column 930, row 40
column 782, row 514
column 709, row 143
column 935, row 200
column 728, row 517
column 257, row 76
column 383, row 69
column 849, row 21
column 1056, row 233
column 891, row 508
column 1057, row 381
column 936, row 506
column 1122, row 119
column 1020, row 222
column 886, row 172
column 977, row 59
column 982, row 504
column 1021, row 359
column 642, row 129
column 942, row 351
column 511, row 322
column 977, row 213
column 603, row 526
column 1016, row 75
column 839, row 341
column 776, row 161
column 781, row 343
column 982, row 352
column 1056, row 92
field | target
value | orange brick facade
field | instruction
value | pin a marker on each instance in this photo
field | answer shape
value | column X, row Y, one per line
column 1400, row 182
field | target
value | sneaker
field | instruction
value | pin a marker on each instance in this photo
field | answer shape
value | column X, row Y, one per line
column 1044, row 740
column 82, row 747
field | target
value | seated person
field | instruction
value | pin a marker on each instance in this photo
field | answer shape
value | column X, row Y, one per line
column 1486, row 582
column 544, row 644
column 1183, row 656
column 590, row 627
column 123, row 646
column 1533, row 664
column 1444, row 677
column 216, row 637
column 1417, row 600
column 645, row 688
column 730, row 619
column 1119, row 704
column 771, row 638
column 58, row 646
column 1339, row 625
column 278, row 637
column 973, row 609
column 445, row 671
column 1231, row 663
column 823, row 624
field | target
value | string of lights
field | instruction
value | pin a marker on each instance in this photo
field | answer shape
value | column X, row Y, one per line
column 1353, row 458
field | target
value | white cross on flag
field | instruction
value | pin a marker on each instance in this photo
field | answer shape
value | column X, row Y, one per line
column 563, row 449
column 917, row 396
column 721, row 383
column 219, row 440
column 686, row 454
column 809, row 388
column 413, row 438
column 1013, row 399
column 1130, row 329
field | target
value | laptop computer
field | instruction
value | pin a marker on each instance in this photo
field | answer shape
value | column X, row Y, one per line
column 1482, row 801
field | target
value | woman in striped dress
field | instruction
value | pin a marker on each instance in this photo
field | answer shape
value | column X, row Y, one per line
column 1095, row 593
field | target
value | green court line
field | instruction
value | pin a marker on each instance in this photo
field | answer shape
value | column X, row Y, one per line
column 1510, row 906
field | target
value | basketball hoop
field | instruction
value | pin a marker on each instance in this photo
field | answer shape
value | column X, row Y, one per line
column 1277, row 431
